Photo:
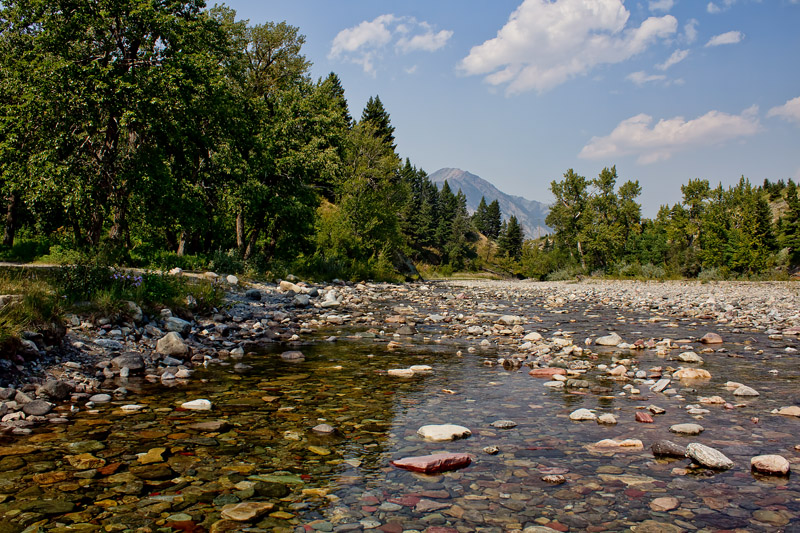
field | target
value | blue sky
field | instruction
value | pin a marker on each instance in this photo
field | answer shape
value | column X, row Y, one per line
column 519, row 91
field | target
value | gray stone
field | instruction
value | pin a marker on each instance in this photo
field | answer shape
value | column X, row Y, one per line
column 178, row 325
column 686, row 429
column 744, row 390
column 172, row 344
column 611, row 339
column 301, row 300
column 37, row 408
column 134, row 311
column 504, row 424
column 100, row 398
column 707, row 456
column 667, row 448
column 253, row 294
column 293, row 356
column 109, row 344
column 660, row 385
column 130, row 360
column 56, row 389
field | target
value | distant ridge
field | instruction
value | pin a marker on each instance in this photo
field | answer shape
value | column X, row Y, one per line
column 529, row 213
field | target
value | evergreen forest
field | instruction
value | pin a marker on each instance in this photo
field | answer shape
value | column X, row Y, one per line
column 164, row 134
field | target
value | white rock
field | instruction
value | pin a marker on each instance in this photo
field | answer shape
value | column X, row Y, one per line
column 708, row 456
column 197, row 405
column 532, row 337
column 609, row 340
column 770, row 464
column 582, row 414
column 400, row 372
column 443, row 432
column 232, row 280
column 744, row 390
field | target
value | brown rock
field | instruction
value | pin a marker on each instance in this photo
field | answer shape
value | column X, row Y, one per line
column 644, row 417
column 666, row 503
column 547, row 372
column 711, row 338
column 246, row 511
column 770, row 464
column 85, row 461
column 431, row 464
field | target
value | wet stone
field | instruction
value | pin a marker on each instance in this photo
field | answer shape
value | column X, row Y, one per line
column 667, row 448
column 686, row 429
column 707, row 456
column 504, row 424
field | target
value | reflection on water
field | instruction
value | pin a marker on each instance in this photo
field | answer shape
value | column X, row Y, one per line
column 258, row 444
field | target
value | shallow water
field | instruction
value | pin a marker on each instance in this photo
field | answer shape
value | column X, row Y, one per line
column 269, row 453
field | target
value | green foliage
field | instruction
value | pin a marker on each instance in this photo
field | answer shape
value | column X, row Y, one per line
column 37, row 309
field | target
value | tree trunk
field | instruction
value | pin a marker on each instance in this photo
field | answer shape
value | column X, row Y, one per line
column 580, row 254
column 182, row 244
column 11, row 220
column 240, row 229
column 251, row 244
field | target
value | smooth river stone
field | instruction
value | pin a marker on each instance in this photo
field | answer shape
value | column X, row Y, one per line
column 443, row 432
column 609, row 340
column 85, row 461
column 707, row 456
column 504, row 424
column 791, row 410
column 582, row 414
column 197, row 405
column 687, row 429
column 744, row 390
column 692, row 373
column 770, row 464
column 711, row 338
column 246, row 511
column 432, row 464
column 667, row 448
column 547, row 372
column 665, row 503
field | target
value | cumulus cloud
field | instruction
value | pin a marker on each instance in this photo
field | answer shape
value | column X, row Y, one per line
column 366, row 42
column 690, row 31
column 731, row 37
column 789, row 111
column 545, row 43
column 676, row 57
column 720, row 7
column 661, row 5
column 641, row 77
column 638, row 136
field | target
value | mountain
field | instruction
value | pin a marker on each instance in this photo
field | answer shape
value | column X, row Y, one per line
column 529, row 213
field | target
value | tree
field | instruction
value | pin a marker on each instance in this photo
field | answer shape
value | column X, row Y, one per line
column 511, row 239
column 375, row 114
column 567, row 215
column 493, row 220
column 479, row 218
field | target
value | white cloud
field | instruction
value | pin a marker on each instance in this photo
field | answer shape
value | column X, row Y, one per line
column 641, row 77
column 366, row 42
column 635, row 136
column 731, row 37
column 714, row 8
column 789, row 111
column 676, row 57
column 690, row 30
column 545, row 43
column 661, row 5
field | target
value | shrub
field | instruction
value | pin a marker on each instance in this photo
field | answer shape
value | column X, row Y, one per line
column 565, row 274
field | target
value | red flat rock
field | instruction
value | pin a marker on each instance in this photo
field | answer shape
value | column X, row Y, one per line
column 644, row 417
column 547, row 372
column 432, row 464
column 405, row 501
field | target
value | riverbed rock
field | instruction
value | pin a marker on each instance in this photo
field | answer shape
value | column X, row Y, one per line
column 177, row 325
column 253, row 294
column 246, row 511
column 443, row 432
column 582, row 414
column 607, row 418
column 770, row 464
column 547, row 372
column 667, row 448
column 612, row 339
column 660, row 385
column 56, row 389
column 504, row 424
column 687, row 429
column 197, row 405
column 707, row 456
column 511, row 320
column 37, row 408
column 691, row 373
column 432, row 464
column 791, row 410
column 400, row 372
column 172, row 344
column 744, row 390
column 664, row 504
column 133, row 361
column 293, row 356
column 690, row 357
column 711, row 338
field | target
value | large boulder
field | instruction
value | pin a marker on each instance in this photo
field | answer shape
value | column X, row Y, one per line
column 56, row 389
column 707, row 456
column 172, row 344
column 130, row 360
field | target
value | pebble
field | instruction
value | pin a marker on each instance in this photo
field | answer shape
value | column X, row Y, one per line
column 686, row 429
column 197, row 405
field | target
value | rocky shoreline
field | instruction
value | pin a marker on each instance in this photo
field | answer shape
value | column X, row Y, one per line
column 99, row 354
column 636, row 380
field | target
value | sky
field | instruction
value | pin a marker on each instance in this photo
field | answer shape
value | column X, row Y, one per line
column 520, row 91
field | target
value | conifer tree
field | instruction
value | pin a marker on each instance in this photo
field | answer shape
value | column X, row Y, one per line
column 376, row 114
column 479, row 218
column 493, row 220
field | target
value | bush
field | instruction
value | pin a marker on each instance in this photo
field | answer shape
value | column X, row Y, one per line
column 565, row 274
column 715, row 274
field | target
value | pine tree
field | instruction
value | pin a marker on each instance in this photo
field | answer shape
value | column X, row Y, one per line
column 375, row 113
column 493, row 220
column 333, row 85
column 479, row 219
column 511, row 238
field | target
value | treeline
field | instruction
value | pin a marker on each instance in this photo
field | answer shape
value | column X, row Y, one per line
column 164, row 134
column 718, row 233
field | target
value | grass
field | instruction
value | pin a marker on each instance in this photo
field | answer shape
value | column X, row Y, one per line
column 39, row 308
